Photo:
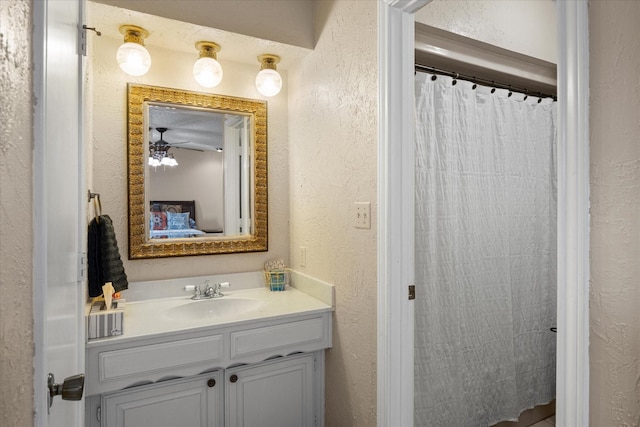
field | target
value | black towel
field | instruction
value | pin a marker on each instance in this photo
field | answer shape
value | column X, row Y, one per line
column 105, row 264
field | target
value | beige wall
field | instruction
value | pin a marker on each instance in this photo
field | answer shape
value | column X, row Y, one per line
column 16, row 234
column 333, row 158
column 524, row 26
column 107, row 84
column 615, row 213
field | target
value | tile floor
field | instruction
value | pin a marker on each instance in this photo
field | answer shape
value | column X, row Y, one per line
column 551, row 421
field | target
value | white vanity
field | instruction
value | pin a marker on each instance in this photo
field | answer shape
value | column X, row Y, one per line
column 252, row 358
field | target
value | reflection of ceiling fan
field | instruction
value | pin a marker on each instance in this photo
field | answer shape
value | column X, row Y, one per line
column 159, row 151
column 161, row 144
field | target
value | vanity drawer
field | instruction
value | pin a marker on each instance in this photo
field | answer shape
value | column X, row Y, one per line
column 149, row 363
column 284, row 338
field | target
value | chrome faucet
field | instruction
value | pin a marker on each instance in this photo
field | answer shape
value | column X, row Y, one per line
column 213, row 292
column 208, row 291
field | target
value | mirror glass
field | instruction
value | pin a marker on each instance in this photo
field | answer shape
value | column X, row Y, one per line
column 197, row 173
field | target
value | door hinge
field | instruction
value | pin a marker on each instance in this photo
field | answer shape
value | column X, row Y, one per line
column 83, row 38
column 99, row 413
column 412, row 292
column 82, row 268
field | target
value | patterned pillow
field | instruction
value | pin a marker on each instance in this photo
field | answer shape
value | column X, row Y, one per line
column 158, row 221
column 178, row 221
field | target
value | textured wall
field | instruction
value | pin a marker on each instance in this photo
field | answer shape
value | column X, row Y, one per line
column 523, row 26
column 16, row 236
column 333, row 162
column 107, row 84
column 615, row 213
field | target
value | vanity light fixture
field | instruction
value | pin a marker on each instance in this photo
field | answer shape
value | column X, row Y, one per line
column 207, row 70
column 268, row 80
column 133, row 58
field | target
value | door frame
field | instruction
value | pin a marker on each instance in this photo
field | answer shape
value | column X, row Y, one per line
column 396, row 213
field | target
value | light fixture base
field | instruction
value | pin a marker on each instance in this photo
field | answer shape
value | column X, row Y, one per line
column 268, row 61
column 134, row 34
column 207, row 49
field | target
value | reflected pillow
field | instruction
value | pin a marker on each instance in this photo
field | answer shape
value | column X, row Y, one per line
column 178, row 221
column 158, row 221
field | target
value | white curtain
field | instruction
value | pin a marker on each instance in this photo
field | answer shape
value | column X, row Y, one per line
column 485, row 253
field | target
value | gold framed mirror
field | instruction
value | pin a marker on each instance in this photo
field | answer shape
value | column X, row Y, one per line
column 197, row 173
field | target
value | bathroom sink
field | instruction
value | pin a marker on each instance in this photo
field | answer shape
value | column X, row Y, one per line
column 213, row 308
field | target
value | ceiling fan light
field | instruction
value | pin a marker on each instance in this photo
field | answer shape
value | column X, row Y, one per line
column 165, row 161
column 133, row 58
column 154, row 162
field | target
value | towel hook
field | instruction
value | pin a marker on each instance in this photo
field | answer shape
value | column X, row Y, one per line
column 97, row 205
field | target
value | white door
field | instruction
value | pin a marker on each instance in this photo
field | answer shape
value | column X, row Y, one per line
column 58, row 207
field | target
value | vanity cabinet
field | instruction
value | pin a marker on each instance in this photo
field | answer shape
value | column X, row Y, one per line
column 282, row 392
column 250, row 374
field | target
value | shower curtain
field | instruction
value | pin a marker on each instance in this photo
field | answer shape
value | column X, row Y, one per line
column 485, row 253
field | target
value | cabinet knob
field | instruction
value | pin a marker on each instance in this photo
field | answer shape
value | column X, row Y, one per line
column 233, row 378
column 211, row 382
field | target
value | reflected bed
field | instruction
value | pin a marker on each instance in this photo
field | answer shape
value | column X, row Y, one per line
column 173, row 219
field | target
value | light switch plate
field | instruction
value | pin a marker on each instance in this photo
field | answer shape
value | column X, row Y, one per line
column 363, row 215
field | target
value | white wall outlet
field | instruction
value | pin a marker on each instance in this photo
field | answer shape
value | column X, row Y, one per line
column 363, row 215
column 303, row 256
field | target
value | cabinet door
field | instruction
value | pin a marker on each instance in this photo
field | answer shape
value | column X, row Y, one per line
column 192, row 402
column 278, row 393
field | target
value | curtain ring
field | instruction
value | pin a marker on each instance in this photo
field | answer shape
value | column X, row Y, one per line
column 510, row 92
column 526, row 94
column 455, row 81
column 475, row 85
column 493, row 90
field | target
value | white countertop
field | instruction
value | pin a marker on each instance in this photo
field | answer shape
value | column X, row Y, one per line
column 152, row 317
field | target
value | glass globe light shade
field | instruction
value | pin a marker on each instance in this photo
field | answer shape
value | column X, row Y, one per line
column 154, row 162
column 165, row 161
column 268, row 82
column 207, row 72
column 133, row 59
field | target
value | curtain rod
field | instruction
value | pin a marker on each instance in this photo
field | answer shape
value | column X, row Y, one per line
column 485, row 82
